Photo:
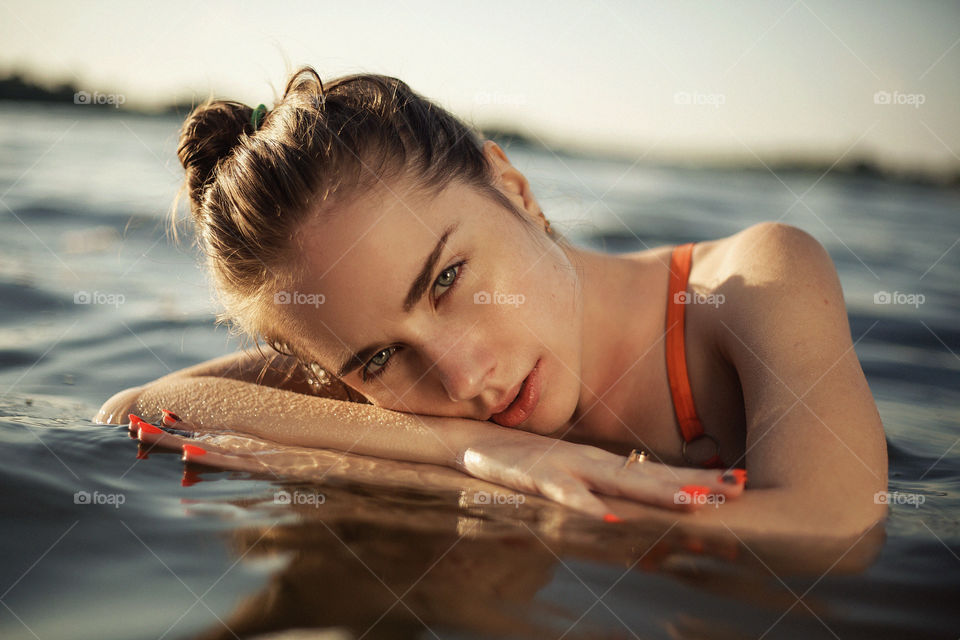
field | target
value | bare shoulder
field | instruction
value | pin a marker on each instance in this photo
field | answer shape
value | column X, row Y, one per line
column 763, row 265
column 764, row 253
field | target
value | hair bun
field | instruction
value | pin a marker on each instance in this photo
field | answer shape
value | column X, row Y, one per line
column 208, row 135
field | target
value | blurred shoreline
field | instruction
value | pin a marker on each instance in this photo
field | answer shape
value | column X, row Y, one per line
column 18, row 88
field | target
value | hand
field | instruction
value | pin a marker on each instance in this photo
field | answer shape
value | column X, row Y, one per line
column 568, row 473
column 236, row 451
column 562, row 471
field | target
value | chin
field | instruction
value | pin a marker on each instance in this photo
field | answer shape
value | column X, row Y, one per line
column 553, row 415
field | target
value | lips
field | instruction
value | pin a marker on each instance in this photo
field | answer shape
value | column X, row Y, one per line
column 527, row 397
column 510, row 397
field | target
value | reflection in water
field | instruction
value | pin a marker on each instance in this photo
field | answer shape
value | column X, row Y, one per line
column 391, row 562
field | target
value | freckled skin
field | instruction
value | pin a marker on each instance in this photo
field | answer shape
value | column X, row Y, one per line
column 459, row 358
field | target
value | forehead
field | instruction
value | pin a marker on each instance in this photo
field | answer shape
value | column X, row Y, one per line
column 361, row 257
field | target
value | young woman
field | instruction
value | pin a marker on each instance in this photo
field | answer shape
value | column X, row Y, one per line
column 423, row 309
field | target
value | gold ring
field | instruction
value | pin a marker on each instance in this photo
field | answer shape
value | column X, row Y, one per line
column 635, row 456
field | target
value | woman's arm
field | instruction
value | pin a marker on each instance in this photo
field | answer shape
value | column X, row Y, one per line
column 269, row 368
column 222, row 412
column 216, row 404
column 815, row 445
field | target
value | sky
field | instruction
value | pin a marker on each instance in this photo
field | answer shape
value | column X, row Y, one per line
column 678, row 80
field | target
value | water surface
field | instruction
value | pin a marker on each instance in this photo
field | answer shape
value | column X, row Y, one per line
column 163, row 551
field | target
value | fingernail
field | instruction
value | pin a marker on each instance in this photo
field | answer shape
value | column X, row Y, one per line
column 146, row 427
column 735, row 476
column 169, row 417
column 611, row 518
column 193, row 450
column 134, row 419
column 694, row 490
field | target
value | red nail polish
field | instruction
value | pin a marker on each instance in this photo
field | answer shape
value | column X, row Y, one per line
column 611, row 518
column 193, row 450
column 694, row 490
column 741, row 475
column 170, row 417
column 146, row 427
column 134, row 419
column 190, row 478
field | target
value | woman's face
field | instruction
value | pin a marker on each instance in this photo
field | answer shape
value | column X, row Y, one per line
column 495, row 301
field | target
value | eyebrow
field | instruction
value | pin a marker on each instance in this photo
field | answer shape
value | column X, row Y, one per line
column 419, row 287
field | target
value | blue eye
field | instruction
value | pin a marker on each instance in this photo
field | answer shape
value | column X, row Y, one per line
column 448, row 278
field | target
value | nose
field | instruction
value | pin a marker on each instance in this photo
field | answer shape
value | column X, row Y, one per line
column 463, row 365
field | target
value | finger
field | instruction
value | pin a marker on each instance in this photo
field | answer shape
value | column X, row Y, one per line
column 649, row 489
column 187, row 431
column 573, row 493
column 157, row 437
column 202, row 455
column 659, row 484
column 725, row 481
column 169, row 438
column 136, row 421
column 171, row 419
column 226, row 440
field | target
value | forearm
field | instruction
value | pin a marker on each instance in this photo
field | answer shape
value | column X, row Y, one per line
column 296, row 419
column 777, row 511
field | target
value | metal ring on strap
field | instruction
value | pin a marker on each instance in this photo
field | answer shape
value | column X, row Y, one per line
column 683, row 451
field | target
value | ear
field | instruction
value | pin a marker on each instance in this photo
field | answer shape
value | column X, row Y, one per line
column 509, row 180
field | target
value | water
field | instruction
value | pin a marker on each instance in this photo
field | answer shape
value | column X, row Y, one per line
column 199, row 553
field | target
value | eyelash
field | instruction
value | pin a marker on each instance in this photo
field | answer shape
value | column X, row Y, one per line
column 365, row 376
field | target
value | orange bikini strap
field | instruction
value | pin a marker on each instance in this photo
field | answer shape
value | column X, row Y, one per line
column 680, row 391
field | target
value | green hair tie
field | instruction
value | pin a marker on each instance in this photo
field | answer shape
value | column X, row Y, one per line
column 257, row 116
